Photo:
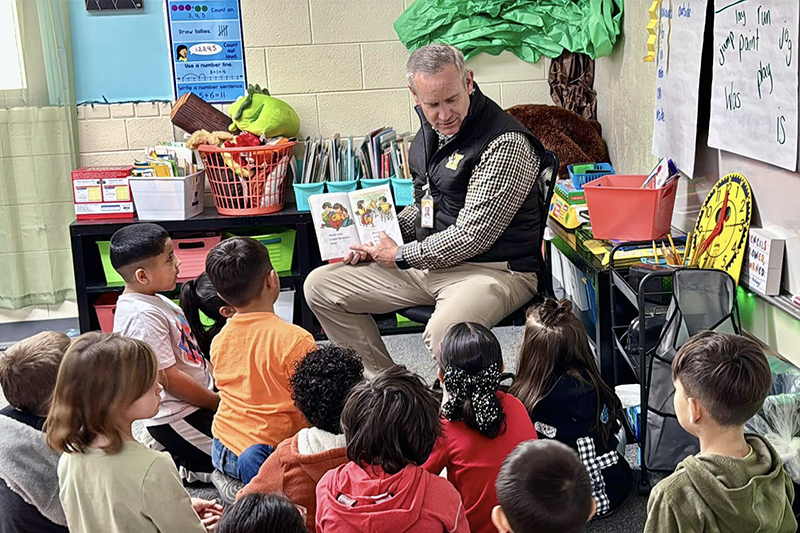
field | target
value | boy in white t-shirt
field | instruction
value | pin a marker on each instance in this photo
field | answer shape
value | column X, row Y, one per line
column 143, row 254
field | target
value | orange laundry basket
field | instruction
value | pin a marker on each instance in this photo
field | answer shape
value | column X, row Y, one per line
column 250, row 180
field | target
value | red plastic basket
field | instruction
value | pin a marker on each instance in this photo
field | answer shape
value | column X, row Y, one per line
column 105, row 307
column 619, row 209
column 247, row 181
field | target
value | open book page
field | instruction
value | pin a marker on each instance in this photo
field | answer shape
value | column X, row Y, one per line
column 374, row 212
column 334, row 224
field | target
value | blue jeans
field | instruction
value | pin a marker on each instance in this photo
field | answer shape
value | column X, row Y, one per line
column 244, row 466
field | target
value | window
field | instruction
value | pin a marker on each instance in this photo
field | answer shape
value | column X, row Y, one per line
column 12, row 67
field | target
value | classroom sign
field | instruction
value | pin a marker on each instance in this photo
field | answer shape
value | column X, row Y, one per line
column 206, row 49
column 678, row 60
column 754, row 92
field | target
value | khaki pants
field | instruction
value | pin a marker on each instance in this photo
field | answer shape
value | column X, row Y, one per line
column 343, row 297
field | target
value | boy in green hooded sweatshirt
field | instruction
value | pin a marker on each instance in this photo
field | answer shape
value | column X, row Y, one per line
column 737, row 482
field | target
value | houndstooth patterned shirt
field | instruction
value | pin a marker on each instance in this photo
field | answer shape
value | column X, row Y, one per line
column 500, row 183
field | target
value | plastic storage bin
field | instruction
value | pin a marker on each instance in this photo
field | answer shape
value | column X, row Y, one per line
column 192, row 253
column 250, row 180
column 279, row 243
column 173, row 198
column 579, row 179
column 105, row 307
column 619, row 209
column 284, row 306
column 367, row 183
column 403, row 191
column 112, row 278
column 303, row 190
column 342, row 186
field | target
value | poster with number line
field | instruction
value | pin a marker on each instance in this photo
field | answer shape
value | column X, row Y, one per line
column 754, row 92
column 206, row 49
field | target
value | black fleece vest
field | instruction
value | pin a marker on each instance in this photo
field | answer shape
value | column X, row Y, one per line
column 449, row 178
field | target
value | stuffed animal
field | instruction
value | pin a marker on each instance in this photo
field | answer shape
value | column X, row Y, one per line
column 261, row 114
column 571, row 137
column 199, row 137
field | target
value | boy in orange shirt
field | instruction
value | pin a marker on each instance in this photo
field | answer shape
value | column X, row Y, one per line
column 253, row 357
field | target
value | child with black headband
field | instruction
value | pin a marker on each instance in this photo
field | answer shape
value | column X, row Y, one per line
column 481, row 424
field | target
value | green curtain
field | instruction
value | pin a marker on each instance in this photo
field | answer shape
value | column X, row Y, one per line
column 37, row 153
column 527, row 28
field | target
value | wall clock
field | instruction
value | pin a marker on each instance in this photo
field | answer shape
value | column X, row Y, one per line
column 720, row 233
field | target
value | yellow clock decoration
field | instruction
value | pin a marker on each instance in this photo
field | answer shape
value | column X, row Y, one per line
column 722, row 227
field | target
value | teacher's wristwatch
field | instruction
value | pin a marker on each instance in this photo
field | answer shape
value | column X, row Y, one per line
column 401, row 263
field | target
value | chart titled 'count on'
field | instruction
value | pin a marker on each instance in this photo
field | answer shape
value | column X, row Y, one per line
column 206, row 48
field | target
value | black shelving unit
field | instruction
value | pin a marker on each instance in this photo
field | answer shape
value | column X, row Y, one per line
column 640, row 299
column 90, row 281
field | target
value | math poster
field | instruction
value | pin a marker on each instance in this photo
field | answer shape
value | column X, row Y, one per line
column 678, row 60
column 754, row 92
column 206, row 49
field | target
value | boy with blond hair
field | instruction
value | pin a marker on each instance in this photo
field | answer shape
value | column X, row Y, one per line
column 28, row 468
column 737, row 481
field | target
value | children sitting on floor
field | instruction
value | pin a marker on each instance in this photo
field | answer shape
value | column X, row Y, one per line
column 254, row 356
column 143, row 256
column 107, row 480
column 737, row 481
column 320, row 386
column 200, row 296
column 481, row 425
column 543, row 488
column 391, row 424
column 559, row 383
column 257, row 513
column 28, row 468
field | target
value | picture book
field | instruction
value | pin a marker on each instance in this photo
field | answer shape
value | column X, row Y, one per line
column 345, row 219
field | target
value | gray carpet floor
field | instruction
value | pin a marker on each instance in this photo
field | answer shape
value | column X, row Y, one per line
column 409, row 350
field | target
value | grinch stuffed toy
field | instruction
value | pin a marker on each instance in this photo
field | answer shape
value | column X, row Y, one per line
column 261, row 114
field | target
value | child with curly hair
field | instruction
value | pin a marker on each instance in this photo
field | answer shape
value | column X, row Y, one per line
column 320, row 386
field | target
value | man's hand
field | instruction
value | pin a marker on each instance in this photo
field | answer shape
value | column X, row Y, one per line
column 383, row 253
column 354, row 258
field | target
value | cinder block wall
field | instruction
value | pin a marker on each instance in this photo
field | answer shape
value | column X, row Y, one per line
column 337, row 62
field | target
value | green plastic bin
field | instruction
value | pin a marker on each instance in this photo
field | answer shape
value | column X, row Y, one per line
column 112, row 277
column 280, row 244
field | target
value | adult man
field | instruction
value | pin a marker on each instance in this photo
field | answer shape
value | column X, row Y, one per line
column 470, row 235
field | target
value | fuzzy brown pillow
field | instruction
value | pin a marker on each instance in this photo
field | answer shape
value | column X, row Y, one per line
column 571, row 137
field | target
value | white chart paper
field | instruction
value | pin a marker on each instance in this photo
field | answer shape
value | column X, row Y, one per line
column 754, row 92
column 678, row 61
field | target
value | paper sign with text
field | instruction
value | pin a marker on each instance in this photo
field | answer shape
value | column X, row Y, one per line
column 206, row 49
column 754, row 92
column 678, row 60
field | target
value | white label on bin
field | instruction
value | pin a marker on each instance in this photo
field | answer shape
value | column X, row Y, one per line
column 93, row 209
column 87, row 191
column 116, row 190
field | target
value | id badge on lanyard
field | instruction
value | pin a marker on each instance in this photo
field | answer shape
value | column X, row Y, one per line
column 426, row 205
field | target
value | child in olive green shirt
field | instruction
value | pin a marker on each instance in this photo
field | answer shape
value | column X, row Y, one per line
column 737, row 482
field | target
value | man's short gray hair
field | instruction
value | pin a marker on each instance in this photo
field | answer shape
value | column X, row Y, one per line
column 432, row 59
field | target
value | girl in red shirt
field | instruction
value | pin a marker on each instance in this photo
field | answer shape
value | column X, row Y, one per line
column 481, row 424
